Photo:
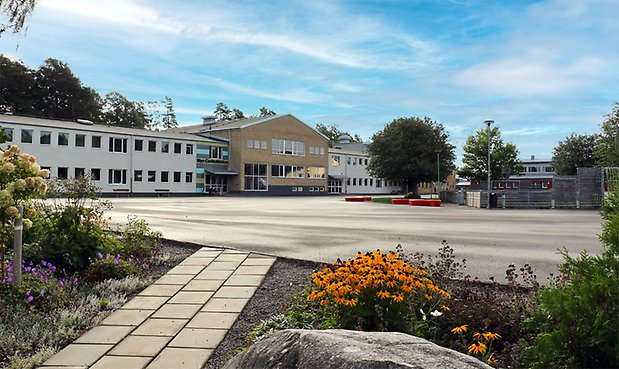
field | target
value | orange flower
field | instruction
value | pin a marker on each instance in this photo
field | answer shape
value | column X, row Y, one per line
column 445, row 308
column 477, row 348
column 383, row 294
column 459, row 330
column 492, row 361
column 491, row 336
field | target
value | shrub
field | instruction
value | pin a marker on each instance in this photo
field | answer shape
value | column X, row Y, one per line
column 111, row 267
column 411, row 195
column 137, row 239
column 376, row 291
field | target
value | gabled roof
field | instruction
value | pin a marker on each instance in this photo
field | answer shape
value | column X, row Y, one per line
column 222, row 125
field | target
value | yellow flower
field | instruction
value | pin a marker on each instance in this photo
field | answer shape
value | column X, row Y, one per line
column 492, row 361
column 383, row 294
column 477, row 336
column 460, row 329
column 491, row 336
column 477, row 348
column 445, row 308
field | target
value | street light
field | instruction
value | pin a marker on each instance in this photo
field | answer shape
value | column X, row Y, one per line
column 488, row 123
column 438, row 173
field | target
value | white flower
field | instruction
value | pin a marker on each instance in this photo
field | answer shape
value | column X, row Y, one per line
column 436, row 313
column 423, row 317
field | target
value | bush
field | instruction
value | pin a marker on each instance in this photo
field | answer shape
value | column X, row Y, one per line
column 138, row 240
column 111, row 267
column 411, row 195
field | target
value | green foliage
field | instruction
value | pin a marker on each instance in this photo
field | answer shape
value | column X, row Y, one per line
column 332, row 133
column 610, row 229
column 573, row 152
column 118, row 111
column 406, row 150
column 16, row 12
column 411, row 195
column 503, row 157
column 16, row 82
column 264, row 112
column 606, row 151
column 138, row 240
column 111, row 267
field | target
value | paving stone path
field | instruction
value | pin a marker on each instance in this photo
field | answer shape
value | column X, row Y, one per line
column 176, row 322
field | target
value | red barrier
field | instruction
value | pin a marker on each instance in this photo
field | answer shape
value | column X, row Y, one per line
column 424, row 202
column 358, row 198
column 400, row 201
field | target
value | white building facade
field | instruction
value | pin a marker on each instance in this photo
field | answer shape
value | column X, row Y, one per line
column 119, row 160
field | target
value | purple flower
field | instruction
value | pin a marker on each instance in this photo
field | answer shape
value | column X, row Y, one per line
column 116, row 261
column 28, row 293
column 44, row 263
column 100, row 255
column 42, row 292
column 30, row 298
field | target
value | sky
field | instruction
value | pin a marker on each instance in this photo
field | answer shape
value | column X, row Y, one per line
column 540, row 69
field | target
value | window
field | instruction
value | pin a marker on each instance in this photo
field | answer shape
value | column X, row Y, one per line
column 189, row 149
column 177, row 147
column 117, row 176
column 95, row 174
column 26, row 136
column 79, row 172
column 549, row 169
column 164, row 176
column 256, row 144
column 151, row 175
column 287, row 147
column 63, row 139
column 335, row 161
column 263, row 145
column 255, row 177
column 311, row 149
column 152, row 146
column 217, row 152
column 371, row 182
column 354, row 181
column 137, row 175
column 63, row 172
column 96, row 142
column 118, row 144
column 366, row 161
column 322, row 152
column 188, row 177
column 379, row 183
column 348, row 160
column 365, row 181
column 8, row 132
column 165, row 146
column 348, row 181
column 46, row 138
column 315, row 172
column 177, row 177
column 250, row 144
column 139, row 145
column 287, row 171
column 80, row 140
column 545, row 184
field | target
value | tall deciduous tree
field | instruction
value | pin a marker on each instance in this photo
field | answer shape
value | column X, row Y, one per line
column 58, row 93
column 332, row 132
column 16, row 82
column 169, row 117
column 121, row 112
column 264, row 112
column 503, row 156
column 573, row 152
column 607, row 146
column 406, row 150
column 16, row 13
column 222, row 111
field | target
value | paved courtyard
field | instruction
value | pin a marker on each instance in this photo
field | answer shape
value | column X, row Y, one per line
column 325, row 228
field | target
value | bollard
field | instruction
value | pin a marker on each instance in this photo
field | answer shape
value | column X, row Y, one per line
column 17, row 246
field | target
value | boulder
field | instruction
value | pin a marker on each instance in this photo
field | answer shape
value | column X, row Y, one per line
column 343, row 349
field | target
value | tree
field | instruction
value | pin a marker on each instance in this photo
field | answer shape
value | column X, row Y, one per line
column 332, row 132
column 237, row 114
column 58, row 93
column 169, row 117
column 16, row 12
column 573, row 152
column 406, row 150
column 121, row 112
column 503, row 157
column 16, row 83
column 222, row 111
column 606, row 151
column 264, row 112
column 161, row 114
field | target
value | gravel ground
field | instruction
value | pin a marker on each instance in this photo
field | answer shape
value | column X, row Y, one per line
column 284, row 278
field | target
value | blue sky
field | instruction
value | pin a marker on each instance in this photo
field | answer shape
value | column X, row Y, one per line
column 540, row 69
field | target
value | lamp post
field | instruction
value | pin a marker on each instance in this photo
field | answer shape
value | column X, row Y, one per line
column 438, row 173
column 488, row 123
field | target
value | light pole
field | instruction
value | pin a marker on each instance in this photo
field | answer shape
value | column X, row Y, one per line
column 488, row 123
column 438, row 173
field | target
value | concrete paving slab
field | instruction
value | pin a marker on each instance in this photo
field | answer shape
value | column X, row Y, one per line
column 148, row 346
column 160, row 327
column 258, row 261
column 177, row 311
column 214, row 274
column 186, row 269
column 165, row 290
column 78, row 355
column 198, row 338
column 204, row 261
column 231, row 257
column 213, row 320
column 145, row 302
column 127, row 317
column 62, row 367
column 124, row 362
column 223, row 265
column 203, row 285
column 180, row 358
column 182, row 279
column 225, row 305
column 191, row 297
column 110, row 334
column 253, row 269
column 244, row 280
column 235, row 292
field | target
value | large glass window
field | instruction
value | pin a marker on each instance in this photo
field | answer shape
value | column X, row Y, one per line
column 79, row 172
column 164, row 176
column 63, row 172
column 152, row 146
column 315, row 172
column 80, row 140
column 118, row 144
column 287, row 171
column 46, row 138
column 177, row 147
column 96, row 142
column 165, row 146
column 139, row 145
column 26, row 136
column 177, row 177
column 95, row 174
column 152, row 175
column 9, row 133
column 63, row 139
column 189, row 149
column 137, row 175
column 255, row 177
column 117, row 176
column 287, row 147
column 188, row 177
column 217, row 152
column 335, row 161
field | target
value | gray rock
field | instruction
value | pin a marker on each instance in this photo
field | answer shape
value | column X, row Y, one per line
column 342, row 349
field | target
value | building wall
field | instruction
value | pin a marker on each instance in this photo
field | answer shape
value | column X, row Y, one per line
column 180, row 167
column 355, row 179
